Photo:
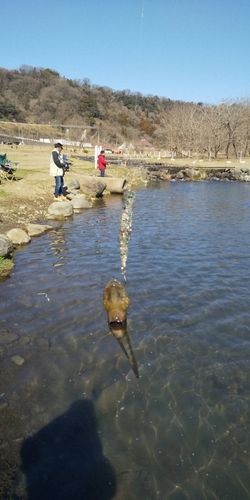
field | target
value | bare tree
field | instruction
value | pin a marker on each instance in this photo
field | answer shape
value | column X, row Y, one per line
column 214, row 128
column 234, row 120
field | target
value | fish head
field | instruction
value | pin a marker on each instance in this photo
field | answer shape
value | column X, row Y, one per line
column 117, row 321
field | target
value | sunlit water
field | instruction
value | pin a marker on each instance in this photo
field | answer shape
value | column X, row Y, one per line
column 182, row 431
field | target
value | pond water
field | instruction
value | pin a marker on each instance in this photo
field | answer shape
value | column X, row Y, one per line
column 75, row 422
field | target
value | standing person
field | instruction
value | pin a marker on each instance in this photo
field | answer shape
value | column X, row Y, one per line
column 102, row 162
column 57, row 170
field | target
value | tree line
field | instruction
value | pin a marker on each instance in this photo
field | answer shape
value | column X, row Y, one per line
column 42, row 96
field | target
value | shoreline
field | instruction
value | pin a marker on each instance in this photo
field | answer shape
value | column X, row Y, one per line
column 27, row 200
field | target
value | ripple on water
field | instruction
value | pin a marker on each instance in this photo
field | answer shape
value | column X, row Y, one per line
column 181, row 431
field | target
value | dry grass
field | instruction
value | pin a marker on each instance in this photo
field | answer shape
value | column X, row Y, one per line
column 37, row 158
column 34, row 159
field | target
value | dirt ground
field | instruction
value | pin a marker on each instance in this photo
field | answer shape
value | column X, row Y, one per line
column 27, row 201
column 28, row 198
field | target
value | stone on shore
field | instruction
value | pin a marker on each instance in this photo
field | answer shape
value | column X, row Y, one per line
column 74, row 184
column 18, row 236
column 179, row 175
column 6, row 245
column 79, row 203
column 60, row 209
column 94, row 187
column 37, row 229
column 191, row 173
column 72, row 193
column 70, row 196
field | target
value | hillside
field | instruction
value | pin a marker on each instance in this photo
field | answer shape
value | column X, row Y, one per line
column 42, row 96
column 76, row 110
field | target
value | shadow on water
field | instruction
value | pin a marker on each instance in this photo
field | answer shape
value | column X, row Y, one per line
column 64, row 460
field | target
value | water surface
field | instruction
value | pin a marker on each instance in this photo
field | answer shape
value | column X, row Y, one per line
column 182, row 430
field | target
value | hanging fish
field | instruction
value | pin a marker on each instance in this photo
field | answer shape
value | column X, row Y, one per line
column 116, row 302
column 125, row 230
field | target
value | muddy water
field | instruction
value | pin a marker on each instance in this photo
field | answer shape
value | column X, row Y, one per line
column 74, row 420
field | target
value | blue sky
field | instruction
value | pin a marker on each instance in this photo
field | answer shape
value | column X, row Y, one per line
column 189, row 50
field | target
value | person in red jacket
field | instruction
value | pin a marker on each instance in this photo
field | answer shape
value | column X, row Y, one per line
column 102, row 162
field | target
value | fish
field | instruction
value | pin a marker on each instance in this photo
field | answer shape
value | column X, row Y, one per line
column 116, row 302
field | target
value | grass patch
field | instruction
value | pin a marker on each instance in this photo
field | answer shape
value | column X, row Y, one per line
column 22, row 174
column 6, row 266
column 3, row 194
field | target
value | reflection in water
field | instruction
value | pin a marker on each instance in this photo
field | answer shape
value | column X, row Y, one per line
column 58, row 245
column 64, row 460
column 181, row 431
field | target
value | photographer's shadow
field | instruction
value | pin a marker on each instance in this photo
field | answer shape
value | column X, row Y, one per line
column 64, row 460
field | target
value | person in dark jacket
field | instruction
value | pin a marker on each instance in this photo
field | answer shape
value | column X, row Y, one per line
column 102, row 162
column 57, row 170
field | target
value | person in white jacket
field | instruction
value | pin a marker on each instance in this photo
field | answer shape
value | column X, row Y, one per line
column 57, row 170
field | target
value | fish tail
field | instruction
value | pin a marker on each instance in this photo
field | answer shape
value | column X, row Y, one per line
column 128, row 351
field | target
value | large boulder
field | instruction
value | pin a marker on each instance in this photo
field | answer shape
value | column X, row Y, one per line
column 60, row 209
column 113, row 184
column 18, row 236
column 6, row 245
column 74, row 184
column 93, row 186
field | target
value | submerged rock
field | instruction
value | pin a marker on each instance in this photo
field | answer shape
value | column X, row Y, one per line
column 110, row 398
column 18, row 360
column 7, row 337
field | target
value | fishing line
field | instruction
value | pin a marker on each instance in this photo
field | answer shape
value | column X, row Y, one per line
column 125, row 231
column 126, row 217
column 140, row 46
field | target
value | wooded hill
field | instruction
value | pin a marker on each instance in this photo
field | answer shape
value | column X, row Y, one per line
column 42, row 96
